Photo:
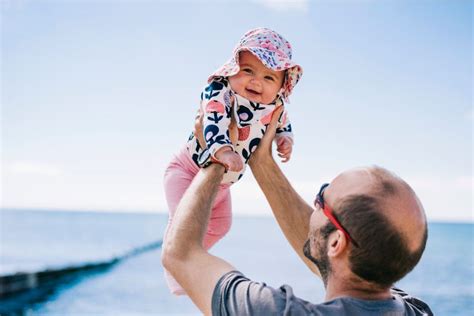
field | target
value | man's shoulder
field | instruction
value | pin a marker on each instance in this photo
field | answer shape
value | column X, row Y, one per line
column 417, row 306
column 235, row 294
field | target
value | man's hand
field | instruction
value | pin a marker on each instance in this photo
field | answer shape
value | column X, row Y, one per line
column 263, row 153
column 284, row 147
column 230, row 159
column 198, row 132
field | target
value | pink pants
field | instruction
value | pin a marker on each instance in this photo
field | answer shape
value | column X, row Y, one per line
column 178, row 177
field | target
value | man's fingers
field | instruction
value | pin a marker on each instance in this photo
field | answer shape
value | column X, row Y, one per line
column 275, row 116
column 233, row 129
column 271, row 128
column 198, row 132
column 264, row 149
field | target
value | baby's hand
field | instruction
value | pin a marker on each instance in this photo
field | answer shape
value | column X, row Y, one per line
column 229, row 158
column 284, row 147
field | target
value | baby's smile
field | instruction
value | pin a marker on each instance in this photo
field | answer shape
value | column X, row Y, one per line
column 252, row 93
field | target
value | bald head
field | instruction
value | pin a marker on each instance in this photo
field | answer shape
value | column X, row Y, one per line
column 385, row 217
column 397, row 200
column 401, row 206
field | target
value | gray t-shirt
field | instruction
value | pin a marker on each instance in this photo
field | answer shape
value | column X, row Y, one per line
column 235, row 294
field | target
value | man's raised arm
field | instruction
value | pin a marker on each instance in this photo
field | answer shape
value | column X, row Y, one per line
column 183, row 255
column 291, row 211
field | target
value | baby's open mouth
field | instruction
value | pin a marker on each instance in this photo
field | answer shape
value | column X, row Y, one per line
column 251, row 91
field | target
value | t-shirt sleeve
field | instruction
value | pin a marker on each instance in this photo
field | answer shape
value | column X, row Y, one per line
column 418, row 306
column 235, row 294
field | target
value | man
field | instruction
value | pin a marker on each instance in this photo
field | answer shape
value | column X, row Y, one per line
column 367, row 230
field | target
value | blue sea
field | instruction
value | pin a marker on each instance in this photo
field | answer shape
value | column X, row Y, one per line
column 35, row 240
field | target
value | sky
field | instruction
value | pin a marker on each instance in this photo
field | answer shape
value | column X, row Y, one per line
column 98, row 95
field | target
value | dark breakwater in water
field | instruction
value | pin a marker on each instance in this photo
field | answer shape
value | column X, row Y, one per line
column 19, row 290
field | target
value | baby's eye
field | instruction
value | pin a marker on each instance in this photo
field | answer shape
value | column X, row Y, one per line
column 247, row 70
column 270, row 78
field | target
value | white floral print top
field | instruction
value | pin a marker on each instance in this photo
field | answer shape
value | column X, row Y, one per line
column 251, row 118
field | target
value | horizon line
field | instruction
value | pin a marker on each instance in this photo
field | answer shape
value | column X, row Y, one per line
column 152, row 212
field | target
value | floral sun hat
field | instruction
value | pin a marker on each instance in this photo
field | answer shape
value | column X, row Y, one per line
column 272, row 50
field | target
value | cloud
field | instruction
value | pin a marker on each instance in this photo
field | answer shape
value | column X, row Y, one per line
column 285, row 5
column 445, row 198
column 33, row 168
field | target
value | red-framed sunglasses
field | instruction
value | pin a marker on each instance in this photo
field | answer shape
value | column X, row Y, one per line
column 328, row 212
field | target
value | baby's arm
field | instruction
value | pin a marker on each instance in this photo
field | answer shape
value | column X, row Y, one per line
column 284, row 138
column 216, row 106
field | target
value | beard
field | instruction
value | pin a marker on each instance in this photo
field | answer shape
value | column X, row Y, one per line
column 322, row 260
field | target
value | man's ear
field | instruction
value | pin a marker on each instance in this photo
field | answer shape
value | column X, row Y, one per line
column 337, row 243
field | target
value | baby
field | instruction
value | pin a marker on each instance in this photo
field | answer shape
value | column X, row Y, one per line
column 244, row 92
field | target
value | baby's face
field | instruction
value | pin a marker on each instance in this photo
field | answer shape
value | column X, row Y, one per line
column 254, row 81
